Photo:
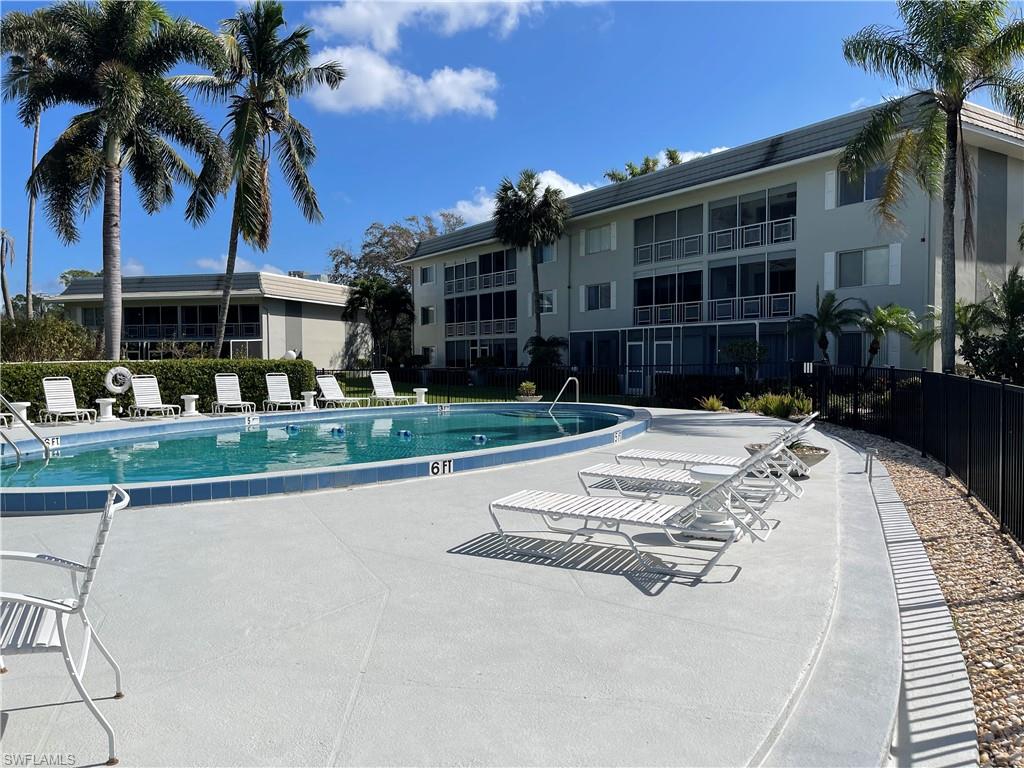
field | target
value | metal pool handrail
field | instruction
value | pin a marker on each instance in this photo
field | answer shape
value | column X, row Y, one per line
column 562, row 391
column 29, row 427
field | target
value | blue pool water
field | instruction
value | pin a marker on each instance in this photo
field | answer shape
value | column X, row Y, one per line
column 281, row 446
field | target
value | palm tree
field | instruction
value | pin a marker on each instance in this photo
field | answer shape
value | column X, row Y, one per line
column 384, row 305
column 6, row 257
column 24, row 37
column 883, row 320
column 264, row 69
column 970, row 320
column 526, row 217
column 112, row 59
column 829, row 316
column 649, row 165
column 947, row 51
column 545, row 353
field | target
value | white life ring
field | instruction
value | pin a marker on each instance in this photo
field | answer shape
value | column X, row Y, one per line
column 118, row 380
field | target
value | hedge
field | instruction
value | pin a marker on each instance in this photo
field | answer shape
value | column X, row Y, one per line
column 24, row 381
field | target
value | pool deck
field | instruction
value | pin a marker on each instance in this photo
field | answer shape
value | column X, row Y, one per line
column 384, row 625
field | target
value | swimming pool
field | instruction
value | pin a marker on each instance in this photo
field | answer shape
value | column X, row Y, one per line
column 195, row 460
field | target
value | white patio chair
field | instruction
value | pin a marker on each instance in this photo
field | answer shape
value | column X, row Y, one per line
column 333, row 396
column 146, row 391
column 279, row 394
column 30, row 624
column 5, row 420
column 229, row 395
column 384, row 392
column 61, row 403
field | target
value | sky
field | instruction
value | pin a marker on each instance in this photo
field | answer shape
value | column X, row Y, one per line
column 443, row 100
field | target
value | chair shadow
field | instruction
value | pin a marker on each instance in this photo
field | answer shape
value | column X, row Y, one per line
column 608, row 560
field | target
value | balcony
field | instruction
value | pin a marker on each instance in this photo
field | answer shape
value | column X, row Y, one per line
column 774, row 306
column 752, row 235
column 188, row 331
column 669, row 250
column 481, row 328
column 498, row 279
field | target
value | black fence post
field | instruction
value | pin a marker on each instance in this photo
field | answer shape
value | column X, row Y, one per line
column 970, row 430
column 892, row 402
column 856, row 398
column 924, row 453
column 1003, row 430
column 945, row 423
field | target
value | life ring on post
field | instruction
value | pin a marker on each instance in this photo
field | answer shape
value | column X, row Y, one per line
column 118, row 380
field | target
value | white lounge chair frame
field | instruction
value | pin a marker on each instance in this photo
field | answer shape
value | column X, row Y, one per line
column 5, row 420
column 146, row 391
column 229, row 395
column 61, row 403
column 30, row 624
column 384, row 391
column 333, row 396
column 279, row 394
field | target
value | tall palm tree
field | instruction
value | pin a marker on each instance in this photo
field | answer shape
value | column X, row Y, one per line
column 829, row 316
column 947, row 51
column 111, row 59
column 6, row 257
column 883, row 320
column 527, row 217
column 24, row 38
column 265, row 68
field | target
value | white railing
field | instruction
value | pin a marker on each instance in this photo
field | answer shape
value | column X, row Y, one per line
column 669, row 250
column 767, row 306
column 562, row 391
column 24, row 422
column 669, row 314
column 752, row 235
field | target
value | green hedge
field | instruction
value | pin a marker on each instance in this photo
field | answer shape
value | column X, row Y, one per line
column 24, row 381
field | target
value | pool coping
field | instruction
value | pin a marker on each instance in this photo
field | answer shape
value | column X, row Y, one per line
column 22, row 501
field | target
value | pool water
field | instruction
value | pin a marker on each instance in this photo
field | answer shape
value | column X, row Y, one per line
column 279, row 447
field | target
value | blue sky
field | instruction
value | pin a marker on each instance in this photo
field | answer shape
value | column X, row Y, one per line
column 443, row 100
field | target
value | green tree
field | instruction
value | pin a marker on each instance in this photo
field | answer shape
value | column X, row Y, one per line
column 649, row 164
column 384, row 306
column 111, row 59
column 545, row 352
column 946, row 52
column 999, row 350
column 45, row 337
column 970, row 319
column 70, row 275
column 6, row 257
column 264, row 69
column 525, row 217
column 880, row 321
column 829, row 316
column 24, row 37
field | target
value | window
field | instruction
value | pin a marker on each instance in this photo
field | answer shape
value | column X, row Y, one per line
column 857, row 189
column 546, row 254
column 690, row 221
column 722, row 279
column 782, row 273
column 426, row 315
column 665, row 289
column 547, row 302
column 599, row 296
column 752, row 275
column 428, row 354
column 426, row 274
column 643, row 231
column 865, row 267
column 753, row 208
column 599, row 239
column 691, row 286
column 92, row 317
column 643, row 291
column 782, row 202
column 722, row 214
column 665, row 226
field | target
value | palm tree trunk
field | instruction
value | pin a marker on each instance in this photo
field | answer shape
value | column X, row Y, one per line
column 229, row 276
column 948, row 272
column 31, row 228
column 535, row 274
column 112, row 250
column 8, row 306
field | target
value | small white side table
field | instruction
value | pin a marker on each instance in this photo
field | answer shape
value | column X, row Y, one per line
column 21, row 408
column 106, row 405
column 190, row 405
column 421, row 395
column 710, row 475
column 308, row 396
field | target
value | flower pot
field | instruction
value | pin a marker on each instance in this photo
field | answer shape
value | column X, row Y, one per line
column 810, row 455
column 529, row 398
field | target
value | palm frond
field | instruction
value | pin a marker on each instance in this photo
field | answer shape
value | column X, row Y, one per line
column 293, row 167
column 886, row 51
column 870, row 146
column 211, row 88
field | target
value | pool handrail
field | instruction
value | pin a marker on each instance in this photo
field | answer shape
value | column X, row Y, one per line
column 562, row 391
column 28, row 426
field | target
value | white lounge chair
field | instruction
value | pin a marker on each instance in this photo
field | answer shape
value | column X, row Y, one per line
column 605, row 515
column 5, row 420
column 384, row 392
column 61, row 403
column 279, row 394
column 146, row 391
column 229, row 395
column 333, row 396
column 30, row 624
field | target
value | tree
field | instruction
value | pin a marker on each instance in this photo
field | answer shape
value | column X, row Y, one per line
column 883, row 320
column 384, row 306
column 648, row 165
column 264, row 69
column 829, row 316
column 970, row 319
column 70, row 275
column 526, row 217
column 999, row 350
column 946, row 52
column 747, row 353
column 6, row 257
column 24, row 36
column 112, row 60
column 545, row 352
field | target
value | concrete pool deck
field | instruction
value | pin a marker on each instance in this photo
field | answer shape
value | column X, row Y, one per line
column 384, row 625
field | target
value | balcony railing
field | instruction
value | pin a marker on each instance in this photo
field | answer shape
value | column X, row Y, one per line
column 490, row 280
column 669, row 250
column 188, row 331
column 481, row 328
column 769, row 306
column 752, row 235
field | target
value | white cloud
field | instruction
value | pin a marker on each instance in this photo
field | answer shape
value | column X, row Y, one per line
column 480, row 207
column 133, row 267
column 689, row 154
column 558, row 181
column 242, row 264
column 863, row 101
column 379, row 24
column 373, row 82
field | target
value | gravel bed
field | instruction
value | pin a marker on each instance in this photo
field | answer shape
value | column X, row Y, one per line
column 981, row 573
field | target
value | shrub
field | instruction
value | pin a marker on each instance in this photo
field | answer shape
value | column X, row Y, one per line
column 711, row 403
column 527, row 389
column 781, row 406
column 747, row 401
column 48, row 337
column 24, row 381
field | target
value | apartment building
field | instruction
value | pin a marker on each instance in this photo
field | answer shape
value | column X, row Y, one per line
column 673, row 266
column 269, row 315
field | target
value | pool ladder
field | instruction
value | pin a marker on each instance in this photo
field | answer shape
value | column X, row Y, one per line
column 14, row 412
column 554, row 402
